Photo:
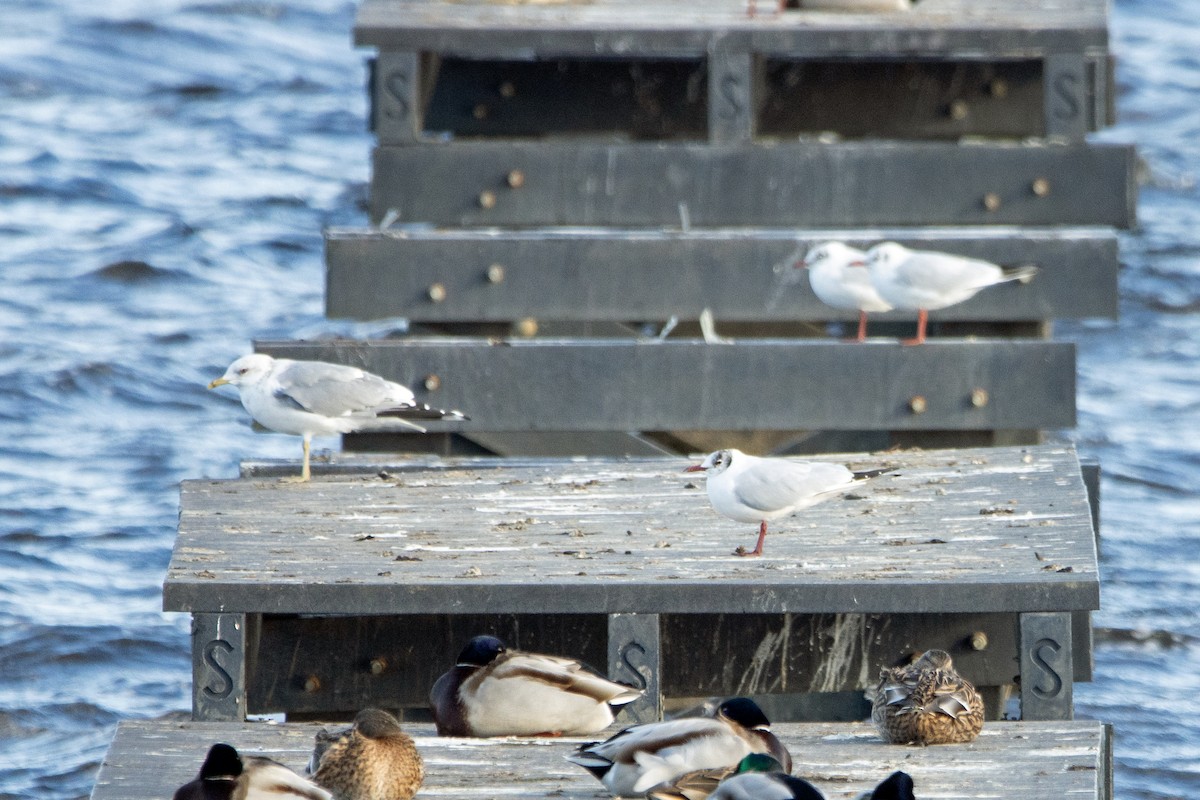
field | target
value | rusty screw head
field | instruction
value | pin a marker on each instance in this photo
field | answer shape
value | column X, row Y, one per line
column 979, row 397
column 312, row 684
column 998, row 88
column 432, row 383
column 495, row 273
column 487, row 199
column 991, row 201
column 378, row 665
column 507, row 90
column 516, row 178
column 436, row 292
column 958, row 110
column 978, row 640
column 1040, row 186
column 917, row 404
column 526, row 327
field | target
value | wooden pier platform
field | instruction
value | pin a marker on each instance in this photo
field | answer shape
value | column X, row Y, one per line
column 359, row 589
column 1034, row 760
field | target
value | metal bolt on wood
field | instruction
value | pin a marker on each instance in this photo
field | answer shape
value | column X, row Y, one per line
column 979, row 397
column 917, row 404
column 507, row 90
column 991, row 201
column 516, row 178
column 437, row 292
column 312, row 684
column 487, row 199
column 998, row 88
column 978, row 640
column 431, row 383
column 526, row 327
column 378, row 666
column 495, row 273
column 958, row 110
column 1040, row 187
column 480, row 111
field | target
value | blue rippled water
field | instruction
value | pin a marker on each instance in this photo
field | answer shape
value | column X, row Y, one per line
column 166, row 168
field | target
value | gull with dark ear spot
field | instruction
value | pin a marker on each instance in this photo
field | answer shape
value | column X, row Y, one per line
column 752, row 489
column 839, row 278
column 226, row 775
column 925, row 280
column 926, row 702
column 494, row 691
column 637, row 758
column 313, row 398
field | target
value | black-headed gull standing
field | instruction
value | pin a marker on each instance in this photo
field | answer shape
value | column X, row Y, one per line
column 752, row 489
column 839, row 278
column 307, row 398
column 925, row 280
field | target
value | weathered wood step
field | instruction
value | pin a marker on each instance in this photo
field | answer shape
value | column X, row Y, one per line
column 298, row 591
column 742, row 275
column 148, row 760
column 748, row 385
column 671, row 70
column 807, row 184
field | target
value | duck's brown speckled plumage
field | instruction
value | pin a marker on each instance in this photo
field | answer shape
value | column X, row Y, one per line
column 927, row 702
column 371, row 760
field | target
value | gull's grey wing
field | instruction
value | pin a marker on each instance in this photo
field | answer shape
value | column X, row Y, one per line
column 334, row 390
column 772, row 484
column 930, row 270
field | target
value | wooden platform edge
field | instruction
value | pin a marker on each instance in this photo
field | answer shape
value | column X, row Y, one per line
column 1050, row 760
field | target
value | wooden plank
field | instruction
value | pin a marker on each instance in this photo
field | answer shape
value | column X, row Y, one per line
column 504, row 275
column 792, row 184
column 932, row 28
column 336, row 664
column 148, row 760
column 1012, row 533
column 613, row 385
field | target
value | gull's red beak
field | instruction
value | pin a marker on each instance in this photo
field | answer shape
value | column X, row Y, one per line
column 695, row 468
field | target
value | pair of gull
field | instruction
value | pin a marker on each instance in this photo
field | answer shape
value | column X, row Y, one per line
column 307, row 398
column 889, row 276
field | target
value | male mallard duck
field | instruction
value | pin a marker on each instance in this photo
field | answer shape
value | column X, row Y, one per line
column 494, row 691
column 897, row 786
column 633, row 760
column 699, row 784
column 226, row 775
column 926, row 702
column 371, row 760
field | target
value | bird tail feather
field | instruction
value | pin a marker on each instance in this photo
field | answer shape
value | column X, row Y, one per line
column 1022, row 274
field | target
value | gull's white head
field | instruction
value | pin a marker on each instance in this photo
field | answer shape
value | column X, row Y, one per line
column 246, row 371
column 832, row 254
column 887, row 254
column 715, row 463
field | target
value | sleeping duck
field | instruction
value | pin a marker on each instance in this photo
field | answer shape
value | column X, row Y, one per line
column 926, row 702
column 373, row 759
column 226, row 775
column 637, row 758
column 494, row 691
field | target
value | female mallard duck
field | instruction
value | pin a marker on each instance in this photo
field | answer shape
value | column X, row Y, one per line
column 494, row 691
column 927, row 702
column 226, row 775
column 642, row 756
column 373, row 759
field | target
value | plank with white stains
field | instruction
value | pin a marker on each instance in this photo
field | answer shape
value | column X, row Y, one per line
column 1052, row 760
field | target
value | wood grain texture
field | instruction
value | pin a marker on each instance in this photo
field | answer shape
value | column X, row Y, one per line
column 1005, row 529
column 744, row 275
column 1050, row 760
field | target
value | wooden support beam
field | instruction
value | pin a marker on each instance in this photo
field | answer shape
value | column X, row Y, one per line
column 219, row 655
column 1046, row 669
column 635, row 657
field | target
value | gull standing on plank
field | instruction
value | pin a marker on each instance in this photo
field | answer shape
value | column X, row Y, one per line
column 306, row 398
column 924, row 280
column 752, row 489
column 494, row 691
column 839, row 278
